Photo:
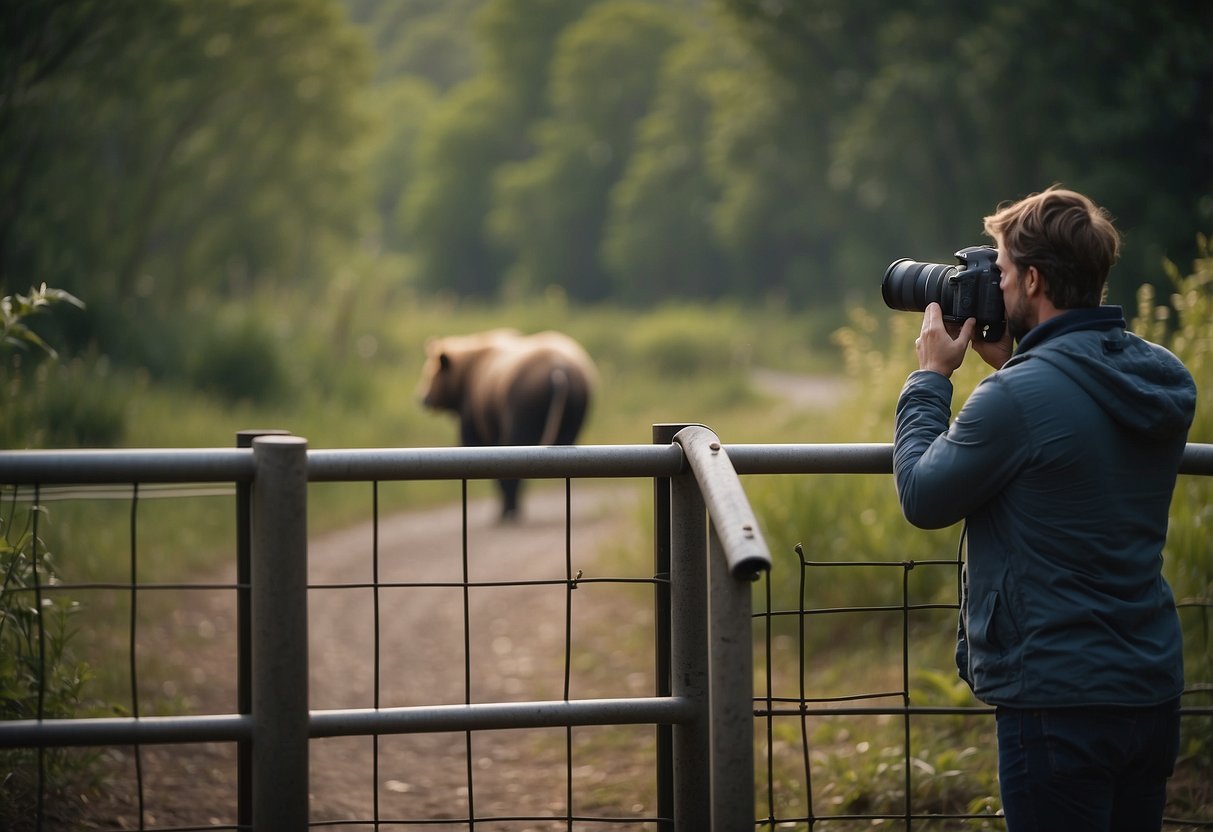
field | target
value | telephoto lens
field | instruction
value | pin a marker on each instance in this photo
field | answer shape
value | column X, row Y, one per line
column 909, row 286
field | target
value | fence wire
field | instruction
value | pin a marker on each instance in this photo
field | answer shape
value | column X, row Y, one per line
column 131, row 768
column 819, row 777
column 484, row 813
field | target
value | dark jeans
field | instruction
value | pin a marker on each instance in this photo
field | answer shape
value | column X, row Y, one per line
column 1086, row 769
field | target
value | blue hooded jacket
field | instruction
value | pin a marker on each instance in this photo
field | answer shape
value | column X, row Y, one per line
column 1063, row 463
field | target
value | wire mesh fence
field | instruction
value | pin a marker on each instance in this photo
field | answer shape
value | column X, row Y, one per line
column 493, row 614
column 889, row 736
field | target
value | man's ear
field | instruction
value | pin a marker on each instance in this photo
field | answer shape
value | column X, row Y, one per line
column 1033, row 281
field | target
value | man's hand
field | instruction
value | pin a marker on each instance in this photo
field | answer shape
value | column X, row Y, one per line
column 938, row 350
column 995, row 353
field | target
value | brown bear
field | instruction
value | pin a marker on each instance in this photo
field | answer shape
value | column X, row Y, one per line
column 510, row 389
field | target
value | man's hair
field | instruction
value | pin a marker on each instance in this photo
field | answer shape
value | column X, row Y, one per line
column 1068, row 238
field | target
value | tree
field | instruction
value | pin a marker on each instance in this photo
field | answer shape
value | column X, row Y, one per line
column 549, row 210
column 153, row 149
column 443, row 209
column 427, row 39
column 406, row 105
column 659, row 240
column 479, row 127
column 932, row 112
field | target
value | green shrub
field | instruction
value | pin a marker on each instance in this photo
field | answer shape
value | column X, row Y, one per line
column 78, row 404
column 674, row 342
column 39, row 678
column 238, row 359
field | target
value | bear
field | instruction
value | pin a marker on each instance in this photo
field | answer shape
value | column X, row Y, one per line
column 510, row 389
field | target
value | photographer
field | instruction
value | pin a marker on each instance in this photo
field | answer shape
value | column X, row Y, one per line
column 1062, row 463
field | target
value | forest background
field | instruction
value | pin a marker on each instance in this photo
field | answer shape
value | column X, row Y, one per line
column 267, row 206
column 157, row 159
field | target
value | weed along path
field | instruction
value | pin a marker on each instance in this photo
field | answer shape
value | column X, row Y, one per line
column 518, row 604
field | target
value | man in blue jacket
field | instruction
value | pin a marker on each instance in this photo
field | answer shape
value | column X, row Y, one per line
column 1063, row 463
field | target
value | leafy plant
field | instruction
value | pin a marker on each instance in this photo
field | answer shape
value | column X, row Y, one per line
column 14, row 308
column 39, row 678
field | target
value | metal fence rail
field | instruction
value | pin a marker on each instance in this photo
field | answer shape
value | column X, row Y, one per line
column 708, row 549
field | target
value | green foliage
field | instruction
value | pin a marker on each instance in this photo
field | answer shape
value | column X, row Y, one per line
column 480, row 127
column 238, row 359
column 658, row 238
column 77, row 404
column 407, row 104
column 46, row 403
column 152, row 149
column 472, row 132
column 674, row 341
column 1185, row 324
column 39, row 677
column 550, row 209
column 636, row 150
column 926, row 115
column 426, row 39
column 14, row 332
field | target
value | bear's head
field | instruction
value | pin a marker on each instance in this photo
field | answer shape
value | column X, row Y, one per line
column 450, row 362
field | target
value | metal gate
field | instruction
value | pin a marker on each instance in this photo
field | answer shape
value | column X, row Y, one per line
column 708, row 550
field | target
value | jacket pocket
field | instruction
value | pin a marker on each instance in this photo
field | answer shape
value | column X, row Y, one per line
column 988, row 645
column 983, row 628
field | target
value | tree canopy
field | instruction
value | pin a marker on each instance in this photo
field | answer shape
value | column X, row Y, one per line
column 637, row 150
column 170, row 147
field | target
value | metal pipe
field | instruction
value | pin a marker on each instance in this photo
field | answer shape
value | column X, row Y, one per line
column 1197, row 459
column 663, row 434
column 507, row 462
column 148, row 730
column 689, row 656
column 244, row 632
column 732, row 517
column 125, row 466
column 186, row 465
column 732, row 661
column 501, row 715
column 856, row 458
column 279, row 634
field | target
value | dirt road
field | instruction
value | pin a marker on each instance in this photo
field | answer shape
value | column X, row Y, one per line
column 517, row 650
column 517, row 640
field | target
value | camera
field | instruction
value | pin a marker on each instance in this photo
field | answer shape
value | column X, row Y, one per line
column 967, row 290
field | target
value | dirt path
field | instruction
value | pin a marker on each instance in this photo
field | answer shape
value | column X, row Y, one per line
column 517, row 645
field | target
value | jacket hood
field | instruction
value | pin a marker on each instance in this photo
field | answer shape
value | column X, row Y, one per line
column 1141, row 385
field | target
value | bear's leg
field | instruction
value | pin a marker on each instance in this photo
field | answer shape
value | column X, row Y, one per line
column 509, row 498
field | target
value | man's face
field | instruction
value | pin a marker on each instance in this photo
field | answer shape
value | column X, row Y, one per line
column 1019, row 313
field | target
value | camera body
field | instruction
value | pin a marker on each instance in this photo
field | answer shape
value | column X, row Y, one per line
column 967, row 290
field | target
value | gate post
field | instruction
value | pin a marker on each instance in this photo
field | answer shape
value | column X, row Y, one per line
column 278, row 601
column 732, row 697
column 689, row 656
column 244, row 694
column 663, row 434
